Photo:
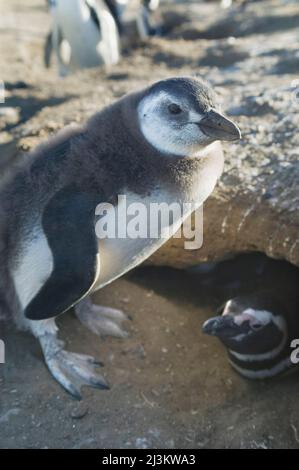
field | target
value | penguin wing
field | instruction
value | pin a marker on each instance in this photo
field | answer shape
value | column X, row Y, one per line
column 68, row 225
column 48, row 48
column 92, row 6
column 115, row 12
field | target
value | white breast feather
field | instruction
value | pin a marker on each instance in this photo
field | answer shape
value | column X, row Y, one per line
column 34, row 266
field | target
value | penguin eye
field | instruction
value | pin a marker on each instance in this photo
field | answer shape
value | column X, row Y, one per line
column 256, row 326
column 174, row 108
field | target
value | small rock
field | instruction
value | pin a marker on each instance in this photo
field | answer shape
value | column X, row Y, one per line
column 142, row 443
column 10, row 114
column 79, row 412
column 6, row 416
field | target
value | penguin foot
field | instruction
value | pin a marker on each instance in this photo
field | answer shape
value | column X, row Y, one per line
column 73, row 371
column 103, row 321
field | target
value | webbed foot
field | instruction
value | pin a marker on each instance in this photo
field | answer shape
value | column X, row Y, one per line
column 71, row 370
column 103, row 321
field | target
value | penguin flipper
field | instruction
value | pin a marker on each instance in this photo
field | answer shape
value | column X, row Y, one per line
column 48, row 48
column 93, row 13
column 68, row 224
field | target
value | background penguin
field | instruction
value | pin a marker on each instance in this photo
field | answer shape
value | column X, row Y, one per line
column 84, row 34
column 144, row 19
column 163, row 146
column 258, row 330
column 145, row 25
column 117, row 9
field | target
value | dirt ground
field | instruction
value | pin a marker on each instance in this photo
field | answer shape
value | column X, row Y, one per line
column 171, row 387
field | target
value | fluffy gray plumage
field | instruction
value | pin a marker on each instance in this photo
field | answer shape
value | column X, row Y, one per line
column 107, row 156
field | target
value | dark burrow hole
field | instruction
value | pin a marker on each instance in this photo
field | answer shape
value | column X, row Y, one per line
column 210, row 284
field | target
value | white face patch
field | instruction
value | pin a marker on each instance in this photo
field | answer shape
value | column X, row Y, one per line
column 227, row 307
column 33, row 268
column 164, row 132
column 262, row 317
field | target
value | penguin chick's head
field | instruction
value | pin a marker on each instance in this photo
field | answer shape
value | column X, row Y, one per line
column 249, row 329
column 179, row 116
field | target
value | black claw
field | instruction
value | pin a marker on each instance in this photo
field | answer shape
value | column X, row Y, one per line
column 98, row 363
column 100, row 385
column 72, row 390
column 76, row 395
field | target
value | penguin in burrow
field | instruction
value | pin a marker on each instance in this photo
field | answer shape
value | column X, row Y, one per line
column 260, row 332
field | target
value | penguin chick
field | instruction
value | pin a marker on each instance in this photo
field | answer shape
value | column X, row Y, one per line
column 258, row 331
column 159, row 145
column 84, row 34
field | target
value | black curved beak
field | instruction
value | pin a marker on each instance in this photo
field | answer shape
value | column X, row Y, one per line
column 217, row 126
column 224, row 327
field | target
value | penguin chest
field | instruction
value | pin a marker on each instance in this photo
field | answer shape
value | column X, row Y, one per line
column 133, row 230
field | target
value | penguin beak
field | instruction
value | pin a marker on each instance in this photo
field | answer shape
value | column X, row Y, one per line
column 215, row 125
column 224, row 327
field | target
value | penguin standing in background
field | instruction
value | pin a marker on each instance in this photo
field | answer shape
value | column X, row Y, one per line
column 84, row 34
column 258, row 330
column 117, row 9
column 145, row 25
column 159, row 145
column 144, row 19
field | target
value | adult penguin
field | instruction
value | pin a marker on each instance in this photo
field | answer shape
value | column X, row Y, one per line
column 84, row 34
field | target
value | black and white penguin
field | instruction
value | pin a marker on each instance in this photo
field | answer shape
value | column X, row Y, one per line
column 159, row 145
column 144, row 16
column 145, row 25
column 84, row 34
column 117, row 9
column 260, row 332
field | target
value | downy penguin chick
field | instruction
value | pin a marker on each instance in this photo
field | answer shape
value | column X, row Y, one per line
column 159, row 145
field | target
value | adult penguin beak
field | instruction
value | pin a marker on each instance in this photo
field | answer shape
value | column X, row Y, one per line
column 224, row 327
column 217, row 126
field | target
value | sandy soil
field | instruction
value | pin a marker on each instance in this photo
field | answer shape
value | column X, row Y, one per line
column 171, row 387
